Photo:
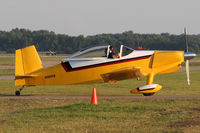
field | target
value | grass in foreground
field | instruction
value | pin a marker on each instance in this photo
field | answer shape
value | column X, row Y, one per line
column 111, row 115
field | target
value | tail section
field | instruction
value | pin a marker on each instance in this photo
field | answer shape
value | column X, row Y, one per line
column 27, row 61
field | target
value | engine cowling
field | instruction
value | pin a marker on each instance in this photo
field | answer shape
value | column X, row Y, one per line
column 152, row 88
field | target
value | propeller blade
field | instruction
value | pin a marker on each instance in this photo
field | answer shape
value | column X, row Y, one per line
column 186, row 41
column 187, row 71
column 187, row 55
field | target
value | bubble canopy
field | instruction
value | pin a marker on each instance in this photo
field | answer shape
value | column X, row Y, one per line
column 91, row 52
column 98, row 52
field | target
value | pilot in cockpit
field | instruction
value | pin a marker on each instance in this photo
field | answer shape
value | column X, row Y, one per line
column 112, row 54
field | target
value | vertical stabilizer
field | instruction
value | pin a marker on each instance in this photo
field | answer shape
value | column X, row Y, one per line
column 27, row 61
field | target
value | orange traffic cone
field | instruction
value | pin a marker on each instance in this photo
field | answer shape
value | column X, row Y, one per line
column 94, row 97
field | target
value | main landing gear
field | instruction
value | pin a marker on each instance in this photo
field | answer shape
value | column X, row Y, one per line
column 17, row 93
column 149, row 81
column 149, row 89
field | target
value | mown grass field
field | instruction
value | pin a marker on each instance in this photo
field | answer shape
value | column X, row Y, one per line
column 112, row 114
column 7, row 72
column 11, row 60
column 197, row 58
column 173, row 84
column 7, row 61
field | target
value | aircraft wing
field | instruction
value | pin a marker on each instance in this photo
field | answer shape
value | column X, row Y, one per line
column 121, row 74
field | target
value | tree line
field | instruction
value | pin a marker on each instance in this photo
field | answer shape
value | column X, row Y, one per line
column 61, row 43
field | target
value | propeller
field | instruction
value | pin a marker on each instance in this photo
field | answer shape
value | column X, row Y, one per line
column 187, row 61
column 186, row 40
column 187, row 55
column 187, row 71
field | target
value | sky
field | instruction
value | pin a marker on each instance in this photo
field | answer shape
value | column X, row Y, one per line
column 91, row 17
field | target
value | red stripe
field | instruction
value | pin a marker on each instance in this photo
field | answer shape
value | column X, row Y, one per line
column 104, row 64
column 64, row 67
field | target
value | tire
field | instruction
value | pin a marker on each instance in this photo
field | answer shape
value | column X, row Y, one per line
column 148, row 94
column 17, row 93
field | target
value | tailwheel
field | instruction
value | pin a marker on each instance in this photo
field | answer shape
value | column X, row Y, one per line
column 148, row 94
column 17, row 93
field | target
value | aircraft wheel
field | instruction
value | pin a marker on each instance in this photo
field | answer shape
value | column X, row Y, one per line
column 17, row 93
column 148, row 94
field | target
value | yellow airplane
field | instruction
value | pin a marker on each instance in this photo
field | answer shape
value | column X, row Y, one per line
column 93, row 65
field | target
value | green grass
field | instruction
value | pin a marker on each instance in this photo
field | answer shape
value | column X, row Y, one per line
column 173, row 84
column 7, row 60
column 176, row 83
column 3, row 53
column 52, row 58
column 197, row 57
column 7, row 72
column 111, row 115
column 11, row 60
column 192, row 64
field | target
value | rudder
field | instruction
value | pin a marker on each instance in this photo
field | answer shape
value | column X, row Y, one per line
column 27, row 61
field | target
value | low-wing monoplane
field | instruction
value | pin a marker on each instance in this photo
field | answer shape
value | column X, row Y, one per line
column 93, row 65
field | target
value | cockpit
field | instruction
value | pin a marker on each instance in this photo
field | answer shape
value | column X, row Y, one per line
column 100, row 51
column 92, row 56
column 91, row 52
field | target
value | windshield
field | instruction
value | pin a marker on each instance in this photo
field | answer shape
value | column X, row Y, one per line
column 91, row 52
column 126, row 50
